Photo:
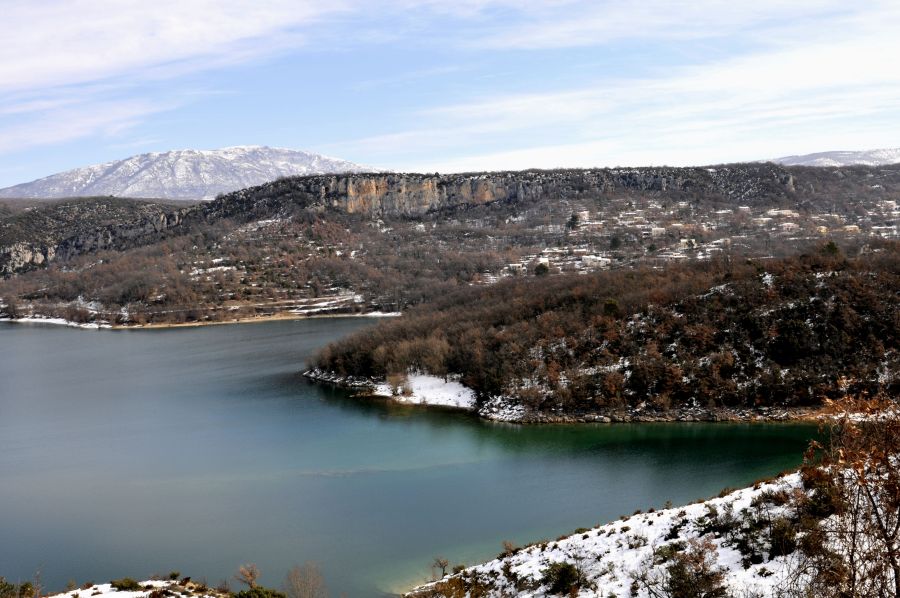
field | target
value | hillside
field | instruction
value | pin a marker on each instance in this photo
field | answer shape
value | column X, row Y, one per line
column 684, row 340
column 182, row 174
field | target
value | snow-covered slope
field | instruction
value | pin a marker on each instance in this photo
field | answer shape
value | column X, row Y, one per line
column 183, row 174
column 865, row 158
column 161, row 588
column 611, row 557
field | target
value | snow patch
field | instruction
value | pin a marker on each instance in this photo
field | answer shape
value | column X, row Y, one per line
column 423, row 389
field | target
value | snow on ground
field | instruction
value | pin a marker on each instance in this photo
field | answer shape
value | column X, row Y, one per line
column 611, row 555
column 173, row 589
column 56, row 321
column 422, row 389
column 502, row 409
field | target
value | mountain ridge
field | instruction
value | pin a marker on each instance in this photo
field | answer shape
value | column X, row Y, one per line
column 875, row 157
column 183, row 174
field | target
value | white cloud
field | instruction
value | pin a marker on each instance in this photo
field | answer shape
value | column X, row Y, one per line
column 591, row 23
column 789, row 99
column 105, row 119
column 63, row 42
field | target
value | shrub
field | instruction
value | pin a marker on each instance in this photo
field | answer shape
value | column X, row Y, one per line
column 13, row 590
column 126, row 584
column 563, row 578
column 692, row 574
column 782, row 537
column 260, row 592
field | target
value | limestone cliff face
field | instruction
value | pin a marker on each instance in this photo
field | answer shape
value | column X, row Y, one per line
column 20, row 257
column 411, row 195
column 119, row 236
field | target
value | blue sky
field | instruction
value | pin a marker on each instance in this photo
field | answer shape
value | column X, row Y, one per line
column 446, row 86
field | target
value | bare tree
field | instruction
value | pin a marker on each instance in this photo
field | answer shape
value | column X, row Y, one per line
column 440, row 563
column 248, row 574
column 305, row 581
column 853, row 550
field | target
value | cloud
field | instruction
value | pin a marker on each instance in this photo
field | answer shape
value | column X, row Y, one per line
column 789, row 98
column 71, row 69
column 105, row 119
column 592, row 23
column 64, row 42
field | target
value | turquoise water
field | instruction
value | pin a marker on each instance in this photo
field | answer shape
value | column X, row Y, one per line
column 199, row 449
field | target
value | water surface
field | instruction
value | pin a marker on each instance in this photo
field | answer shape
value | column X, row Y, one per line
column 198, row 449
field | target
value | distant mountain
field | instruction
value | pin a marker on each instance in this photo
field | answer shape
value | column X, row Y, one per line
column 865, row 158
column 183, row 174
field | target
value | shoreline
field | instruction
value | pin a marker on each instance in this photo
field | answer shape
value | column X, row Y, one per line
column 280, row 316
column 504, row 410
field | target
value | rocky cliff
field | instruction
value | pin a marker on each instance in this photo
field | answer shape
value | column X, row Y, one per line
column 33, row 237
column 412, row 195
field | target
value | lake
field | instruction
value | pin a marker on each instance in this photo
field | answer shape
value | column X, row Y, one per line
column 134, row 452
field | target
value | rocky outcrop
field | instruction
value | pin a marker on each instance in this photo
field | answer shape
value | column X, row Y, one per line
column 21, row 257
column 120, row 236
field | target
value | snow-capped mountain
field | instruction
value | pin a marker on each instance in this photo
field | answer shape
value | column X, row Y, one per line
column 183, row 174
column 865, row 158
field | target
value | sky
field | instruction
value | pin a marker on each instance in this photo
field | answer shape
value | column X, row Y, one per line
column 447, row 85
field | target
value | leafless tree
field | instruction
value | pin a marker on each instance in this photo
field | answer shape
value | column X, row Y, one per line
column 440, row 563
column 854, row 551
column 248, row 574
column 305, row 581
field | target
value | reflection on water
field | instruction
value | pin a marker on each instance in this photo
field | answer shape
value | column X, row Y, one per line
column 139, row 452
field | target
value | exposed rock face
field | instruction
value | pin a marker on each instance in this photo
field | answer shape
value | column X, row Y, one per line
column 411, row 195
column 20, row 257
column 119, row 236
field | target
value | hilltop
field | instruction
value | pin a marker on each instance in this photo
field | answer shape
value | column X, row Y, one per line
column 182, row 174
column 876, row 157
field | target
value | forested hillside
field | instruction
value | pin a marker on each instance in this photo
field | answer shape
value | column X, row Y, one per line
column 739, row 334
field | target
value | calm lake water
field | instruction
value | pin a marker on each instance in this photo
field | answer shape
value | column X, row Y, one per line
column 199, row 449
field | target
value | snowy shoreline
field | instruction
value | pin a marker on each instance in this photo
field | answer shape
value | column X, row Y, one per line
column 427, row 390
column 251, row 320
column 57, row 322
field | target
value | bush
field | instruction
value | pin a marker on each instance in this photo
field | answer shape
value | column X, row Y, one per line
column 126, row 584
column 782, row 537
column 563, row 578
column 693, row 575
column 13, row 590
column 260, row 592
